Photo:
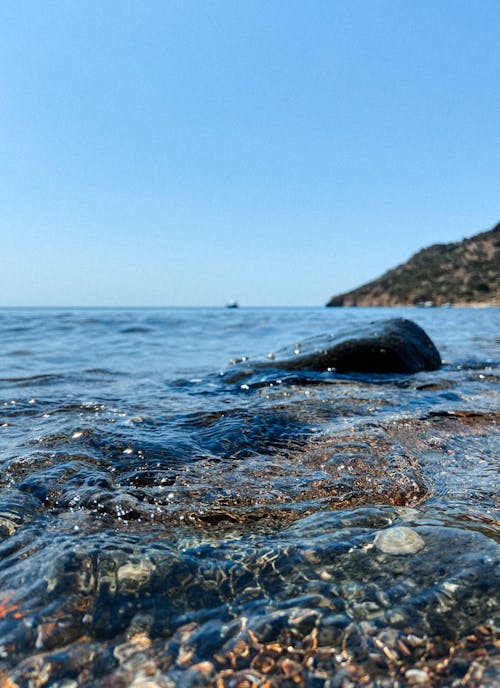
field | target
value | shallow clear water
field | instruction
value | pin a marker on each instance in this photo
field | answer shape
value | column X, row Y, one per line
column 165, row 518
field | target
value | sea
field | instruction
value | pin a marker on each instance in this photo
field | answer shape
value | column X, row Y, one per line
column 174, row 514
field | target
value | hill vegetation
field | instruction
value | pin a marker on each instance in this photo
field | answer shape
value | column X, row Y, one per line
column 461, row 273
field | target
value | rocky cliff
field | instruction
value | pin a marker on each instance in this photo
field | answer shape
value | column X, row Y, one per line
column 463, row 273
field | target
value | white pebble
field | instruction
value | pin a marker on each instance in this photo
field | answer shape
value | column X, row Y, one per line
column 417, row 677
column 398, row 540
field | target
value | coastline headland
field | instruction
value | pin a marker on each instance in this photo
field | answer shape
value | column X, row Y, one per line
column 464, row 273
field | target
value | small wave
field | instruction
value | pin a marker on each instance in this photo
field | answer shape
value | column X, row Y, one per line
column 41, row 379
column 136, row 330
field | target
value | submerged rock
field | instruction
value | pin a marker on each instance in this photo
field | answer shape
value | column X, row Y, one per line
column 396, row 345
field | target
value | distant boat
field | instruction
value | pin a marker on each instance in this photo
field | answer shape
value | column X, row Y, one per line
column 232, row 304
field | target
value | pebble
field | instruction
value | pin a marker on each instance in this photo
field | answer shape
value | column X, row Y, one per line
column 133, row 575
column 417, row 677
column 407, row 513
column 8, row 525
column 399, row 540
column 126, row 651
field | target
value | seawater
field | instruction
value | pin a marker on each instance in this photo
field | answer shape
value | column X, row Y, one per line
column 166, row 522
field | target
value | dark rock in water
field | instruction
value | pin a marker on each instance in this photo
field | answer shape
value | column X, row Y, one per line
column 385, row 346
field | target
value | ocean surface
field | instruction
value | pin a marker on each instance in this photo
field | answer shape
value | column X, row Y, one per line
column 169, row 517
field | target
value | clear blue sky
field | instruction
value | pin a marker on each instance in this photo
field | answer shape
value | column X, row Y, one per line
column 274, row 151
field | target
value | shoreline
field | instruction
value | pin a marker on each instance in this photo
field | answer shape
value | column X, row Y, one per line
column 474, row 304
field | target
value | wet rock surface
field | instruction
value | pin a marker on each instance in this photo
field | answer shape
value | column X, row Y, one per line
column 220, row 536
column 396, row 345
